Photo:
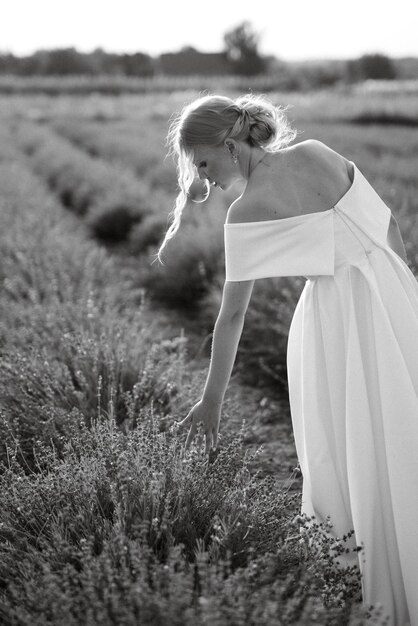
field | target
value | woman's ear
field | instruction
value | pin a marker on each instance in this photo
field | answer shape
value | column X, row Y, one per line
column 231, row 145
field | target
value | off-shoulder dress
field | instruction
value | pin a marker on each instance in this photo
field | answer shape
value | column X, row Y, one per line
column 352, row 363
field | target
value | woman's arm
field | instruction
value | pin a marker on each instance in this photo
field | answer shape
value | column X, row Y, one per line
column 394, row 239
column 226, row 336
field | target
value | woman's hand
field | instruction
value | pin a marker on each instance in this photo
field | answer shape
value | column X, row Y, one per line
column 226, row 334
column 207, row 413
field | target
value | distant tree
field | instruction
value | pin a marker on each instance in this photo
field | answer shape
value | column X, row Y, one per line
column 97, row 60
column 377, row 66
column 241, row 46
column 64, row 61
column 9, row 64
column 138, row 64
column 188, row 61
column 112, row 63
column 68, row 61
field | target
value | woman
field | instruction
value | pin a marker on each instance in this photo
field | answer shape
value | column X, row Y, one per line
column 353, row 341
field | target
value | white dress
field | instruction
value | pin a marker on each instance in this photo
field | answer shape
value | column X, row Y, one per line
column 353, row 379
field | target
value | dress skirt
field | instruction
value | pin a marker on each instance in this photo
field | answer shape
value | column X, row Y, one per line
column 353, row 386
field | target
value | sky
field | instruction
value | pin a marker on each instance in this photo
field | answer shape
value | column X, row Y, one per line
column 293, row 30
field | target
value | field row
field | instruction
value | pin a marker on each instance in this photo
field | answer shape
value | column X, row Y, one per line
column 112, row 173
column 103, row 519
column 47, row 255
column 124, row 211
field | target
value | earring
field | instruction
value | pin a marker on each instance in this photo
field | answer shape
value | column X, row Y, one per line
column 235, row 158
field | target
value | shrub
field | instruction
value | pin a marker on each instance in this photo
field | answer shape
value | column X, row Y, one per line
column 125, row 528
column 192, row 261
column 147, row 234
column 83, row 183
column 113, row 224
column 71, row 324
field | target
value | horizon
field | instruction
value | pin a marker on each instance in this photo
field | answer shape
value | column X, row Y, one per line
column 121, row 52
column 301, row 33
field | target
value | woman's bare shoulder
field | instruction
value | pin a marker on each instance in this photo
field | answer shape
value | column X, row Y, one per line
column 286, row 186
column 323, row 151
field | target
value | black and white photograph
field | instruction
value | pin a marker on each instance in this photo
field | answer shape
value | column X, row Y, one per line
column 208, row 313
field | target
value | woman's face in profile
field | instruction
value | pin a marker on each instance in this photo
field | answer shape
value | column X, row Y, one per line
column 215, row 164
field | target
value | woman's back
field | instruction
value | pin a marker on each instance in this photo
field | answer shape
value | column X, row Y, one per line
column 305, row 178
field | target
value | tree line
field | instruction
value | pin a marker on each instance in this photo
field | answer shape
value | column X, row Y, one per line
column 240, row 56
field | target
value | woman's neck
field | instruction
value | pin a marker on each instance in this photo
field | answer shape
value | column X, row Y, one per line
column 249, row 160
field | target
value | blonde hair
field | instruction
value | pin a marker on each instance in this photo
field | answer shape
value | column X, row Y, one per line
column 210, row 120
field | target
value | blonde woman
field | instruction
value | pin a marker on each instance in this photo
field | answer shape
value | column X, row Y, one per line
column 353, row 342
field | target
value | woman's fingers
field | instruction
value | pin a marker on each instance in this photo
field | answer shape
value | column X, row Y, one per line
column 190, row 436
column 186, row 421
column 215, row 438
column 210, row 432
column 209, row 440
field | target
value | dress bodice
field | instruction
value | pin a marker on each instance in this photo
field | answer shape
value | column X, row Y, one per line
column 313, row 244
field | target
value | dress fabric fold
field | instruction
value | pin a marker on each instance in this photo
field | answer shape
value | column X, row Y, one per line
column 352, row 364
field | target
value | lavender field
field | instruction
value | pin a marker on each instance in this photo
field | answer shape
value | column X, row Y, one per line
column 103, row 518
